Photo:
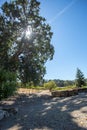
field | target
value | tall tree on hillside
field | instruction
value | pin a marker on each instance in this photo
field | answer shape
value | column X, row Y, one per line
column 28, row 39
column 80, row 80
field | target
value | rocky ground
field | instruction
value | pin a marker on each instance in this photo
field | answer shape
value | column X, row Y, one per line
column 40, row 111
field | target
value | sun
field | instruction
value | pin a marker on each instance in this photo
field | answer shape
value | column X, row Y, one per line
column 28, row 32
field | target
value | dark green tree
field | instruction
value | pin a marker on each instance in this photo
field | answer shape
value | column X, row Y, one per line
column 27, row 37
column 80, row 80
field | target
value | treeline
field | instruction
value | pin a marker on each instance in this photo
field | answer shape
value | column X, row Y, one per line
column 63, row 83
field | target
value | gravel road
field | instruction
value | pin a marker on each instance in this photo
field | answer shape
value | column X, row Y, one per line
column 40, row 111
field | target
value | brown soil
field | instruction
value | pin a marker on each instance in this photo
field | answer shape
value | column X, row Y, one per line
column 37, row 110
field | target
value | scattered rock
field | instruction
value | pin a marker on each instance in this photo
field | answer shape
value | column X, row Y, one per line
column 3, row 114
column 6, row 112
column 11, row 110
column 65, row 93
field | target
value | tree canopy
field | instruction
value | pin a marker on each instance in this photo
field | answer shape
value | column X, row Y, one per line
column 25, row 40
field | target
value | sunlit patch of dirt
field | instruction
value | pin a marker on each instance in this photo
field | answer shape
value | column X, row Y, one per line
column 27, row 91
column 33, row 91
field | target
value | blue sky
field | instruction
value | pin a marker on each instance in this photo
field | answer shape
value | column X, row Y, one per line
column 68, row 20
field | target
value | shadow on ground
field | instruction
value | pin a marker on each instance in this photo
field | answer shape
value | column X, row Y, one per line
column 45, row 113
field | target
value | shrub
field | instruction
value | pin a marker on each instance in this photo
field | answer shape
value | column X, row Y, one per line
column 50, row 85
column 7, row 83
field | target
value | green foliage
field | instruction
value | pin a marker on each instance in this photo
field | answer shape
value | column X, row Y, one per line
column 7, row 83
column 50, row 85
column 80, row 80
column 19, row 51
column 31, row 86
column 64, row 88
column 84, row 86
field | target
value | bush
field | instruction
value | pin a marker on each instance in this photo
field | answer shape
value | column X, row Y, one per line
column 7, row 83
column 50, row 85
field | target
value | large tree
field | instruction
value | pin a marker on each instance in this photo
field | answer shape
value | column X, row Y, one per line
column 26, row 38
column 80, row 80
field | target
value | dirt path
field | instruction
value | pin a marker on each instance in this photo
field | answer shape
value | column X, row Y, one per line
column 39, row 111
